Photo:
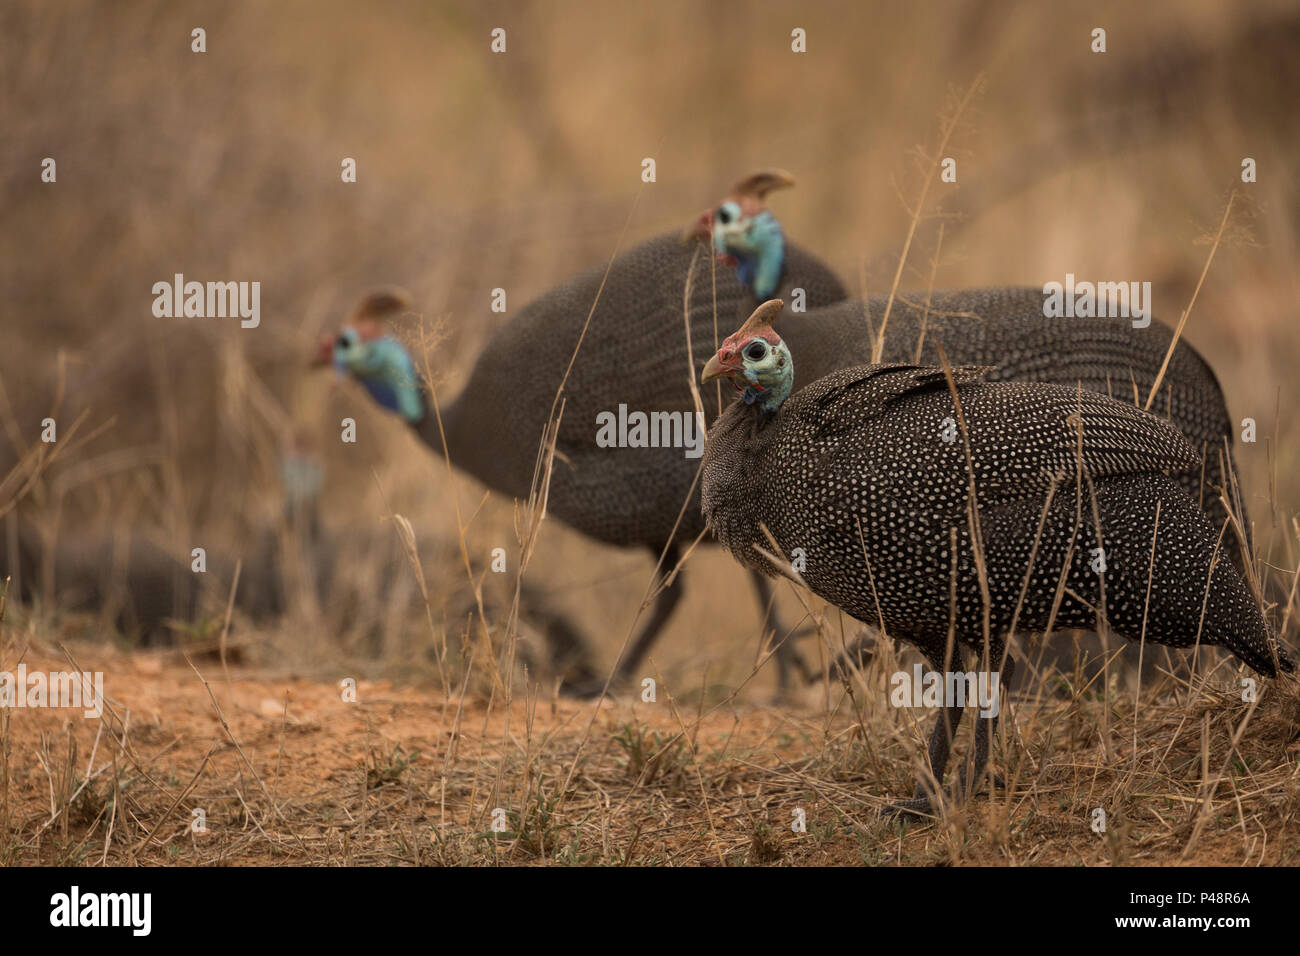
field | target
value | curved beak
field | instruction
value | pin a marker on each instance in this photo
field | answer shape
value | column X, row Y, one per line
column 702, row 228
column 324, row 354
column 716, row 368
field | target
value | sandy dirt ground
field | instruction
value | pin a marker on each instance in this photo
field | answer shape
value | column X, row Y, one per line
column 282, row 770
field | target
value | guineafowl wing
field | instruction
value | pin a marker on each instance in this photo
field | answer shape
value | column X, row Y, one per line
column 1020, row 430
column 894, row 432
column 848, row 398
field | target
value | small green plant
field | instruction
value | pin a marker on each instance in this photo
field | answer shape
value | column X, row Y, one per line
column 380, row 774
column 648, row 754
column 536, row 830
column 763, row 846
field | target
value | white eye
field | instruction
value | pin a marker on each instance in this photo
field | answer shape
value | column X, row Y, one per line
column 756, row 350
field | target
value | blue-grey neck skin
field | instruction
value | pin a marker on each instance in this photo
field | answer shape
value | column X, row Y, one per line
column 768, row 384
column 758, row 245
column 386, row 370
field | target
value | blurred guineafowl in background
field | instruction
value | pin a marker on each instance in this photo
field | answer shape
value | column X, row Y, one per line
column 631, row 497
column 854, row 469
column 147, row 589
column 745, row 234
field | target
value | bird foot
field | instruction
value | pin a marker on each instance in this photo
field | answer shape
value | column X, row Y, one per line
column 998, row 783
column 918, row 808
column 922, row 807
column 844, row 664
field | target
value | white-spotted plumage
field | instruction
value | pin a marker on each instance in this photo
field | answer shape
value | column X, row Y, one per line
column 866, row 471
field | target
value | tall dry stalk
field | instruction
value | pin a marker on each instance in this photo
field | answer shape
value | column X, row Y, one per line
column 932, row 165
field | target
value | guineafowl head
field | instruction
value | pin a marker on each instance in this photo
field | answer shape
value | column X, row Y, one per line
column 756, row 360
column 366, row 351
column 743, row 231
column 755, row 242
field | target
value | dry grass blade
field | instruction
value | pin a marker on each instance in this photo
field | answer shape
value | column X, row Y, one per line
column 144, row 840
column 933, row 162
column 1182, row 319
column 972, row 506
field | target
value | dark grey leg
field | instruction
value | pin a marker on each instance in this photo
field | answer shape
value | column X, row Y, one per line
column 566, row 646
column 660, row 612
column 922, row 802
column 945, row 730
column 985, row 727
column 785, row 653
column 941, row 738
column 863, row 649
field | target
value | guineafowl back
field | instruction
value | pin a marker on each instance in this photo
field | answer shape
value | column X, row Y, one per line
column 634, row 353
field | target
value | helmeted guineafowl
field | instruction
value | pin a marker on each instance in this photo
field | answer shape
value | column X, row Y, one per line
column 1006, row 328
column 869, row 470
column 626, row 496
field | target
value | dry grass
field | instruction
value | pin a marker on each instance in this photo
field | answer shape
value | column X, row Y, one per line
column 478, row 172
column 286, row 773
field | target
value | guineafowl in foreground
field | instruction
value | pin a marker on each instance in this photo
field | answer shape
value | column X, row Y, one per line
column 871, row 470
column 1006, row 328
column 626, row 494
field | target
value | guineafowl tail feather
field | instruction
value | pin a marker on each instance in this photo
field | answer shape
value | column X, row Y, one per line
column 1165, row 582
column 1234, row 620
